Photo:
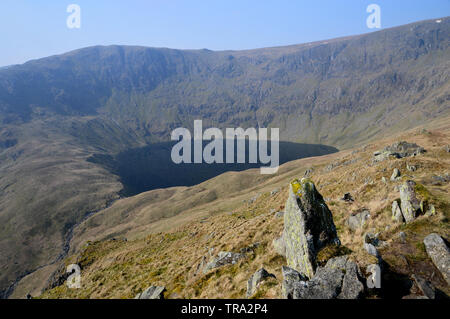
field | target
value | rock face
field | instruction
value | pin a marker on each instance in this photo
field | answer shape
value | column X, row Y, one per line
column 340, row 278
column 223, row 258
column 410, row 205
column 308, row 226
column 439, row 254
column 153, row 292
column 258, row 277
column 291, row 278
column 397, row 212
column 357, row 220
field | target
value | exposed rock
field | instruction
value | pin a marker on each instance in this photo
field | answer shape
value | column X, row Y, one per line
column 279, row 245
column 357, row 220
column 371, row 249
column 395, row 174
column 411, row 168
column 410, row 205
column 340, row 278
column 258, row 277
column 425, row 287
column 398, row 150
column 440, row 179
column 347, row 197
column 374, row 280
column 384, row 180
column 439, row 253
column 308, row 226
column 397, row 212
column 308, row 172
column 223, row 258
column 291, row 277
column 431, row 211
column 153, row 292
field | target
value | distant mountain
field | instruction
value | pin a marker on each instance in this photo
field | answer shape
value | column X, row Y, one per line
column 58, row 112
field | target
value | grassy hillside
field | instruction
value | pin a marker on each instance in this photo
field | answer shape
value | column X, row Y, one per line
column 167, row 251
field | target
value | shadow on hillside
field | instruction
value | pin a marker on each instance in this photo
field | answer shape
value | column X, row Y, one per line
column 151, row 167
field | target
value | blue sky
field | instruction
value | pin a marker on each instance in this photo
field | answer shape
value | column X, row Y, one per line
column 37, row 28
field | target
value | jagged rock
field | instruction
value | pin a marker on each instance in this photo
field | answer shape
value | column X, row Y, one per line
column 395, row 174
column 153, row 292
column 223, row 258
column 340, row 278
column 291, row 277
column 431, row 211
column 374, row 280
column 357, row 220
column 425, row 287
column 258, row 277
column 439, row 253
column 398, row 150
column 397, row 212
column 279, row 245
column 347, row 197
column 308, row 226
column 410, row 205
column 371, row 249
column 411, row 168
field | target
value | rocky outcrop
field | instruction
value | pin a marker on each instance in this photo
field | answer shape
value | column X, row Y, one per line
column 358, row 219
column 223, row 258
column 410, row 205
column 340, row 278
column 395, row 174
column 291, row 278
column 439, row 253
column 153, row 292
column 257, row 278
column 398, row 150
column 308, row 226
column 397, row 212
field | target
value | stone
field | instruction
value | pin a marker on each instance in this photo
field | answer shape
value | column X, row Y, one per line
column 357, row 220
column 223, row 258
column 308, row 226
column 384, row 180
column 347, row 197
column 339, row 278
column 397, row 212
column 153, row 292
column 254, row 281
column 291, row 277
column 447, row 148
column 395, row 174
column 370, row 238
column 411, row 168
column 398, row 150
column 279, row 246
column 250, row 248
column 439, row 253
column 410, row 205
column 425, row 287
column 374, row 280
column 431, row 211
column 371, row 249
